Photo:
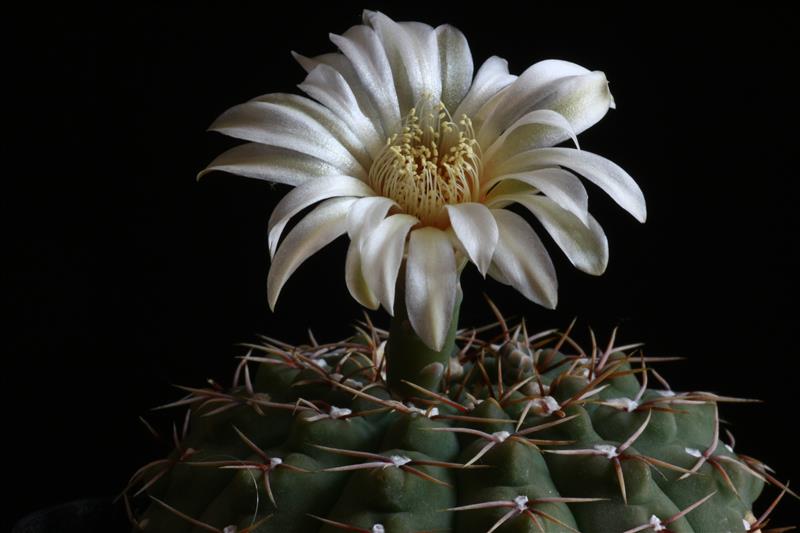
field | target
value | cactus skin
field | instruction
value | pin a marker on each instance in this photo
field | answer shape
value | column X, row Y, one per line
column 284, row 411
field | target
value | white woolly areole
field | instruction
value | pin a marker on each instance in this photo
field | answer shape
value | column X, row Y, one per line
column 665, row 393
column 275, row 461
column 398, row 460
column 746, row 524
column 230, row 529
column 625, row 404
column 378, row 528
column 521, row 502
column 694, row 452
column 545, row 406
column 655, row 523
column 501, row 436
column 729, row 448
column 322, row 363
column 607, row 449
column 337, row 412
column 429, row 413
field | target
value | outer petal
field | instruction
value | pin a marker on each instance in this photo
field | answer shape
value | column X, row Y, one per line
column 317, row 229
column 431, row 284
column 476, row 230
column 365, row 51
column 296, row 123
column 581, row 96
column 491, row 78
column 365, row 215
column 382, row 255
column 455, row 62
column 308, row 194
column 414, row 72
column 559, row 185
column 329, row 88
column 270, row 163
column 586, row 246
column 537, row 137
column 599, row 170
column 354, row 277
column 522, row 260
column 342, row 65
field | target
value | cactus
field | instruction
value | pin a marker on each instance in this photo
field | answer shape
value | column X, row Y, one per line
column 525, row 433
column 426, row 427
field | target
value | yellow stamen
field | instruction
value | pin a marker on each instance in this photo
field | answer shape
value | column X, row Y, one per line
column 432, row 162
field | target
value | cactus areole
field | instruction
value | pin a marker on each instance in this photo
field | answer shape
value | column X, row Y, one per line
column 415, row 155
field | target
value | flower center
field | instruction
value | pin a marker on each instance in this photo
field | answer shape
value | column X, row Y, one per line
column 432, row 162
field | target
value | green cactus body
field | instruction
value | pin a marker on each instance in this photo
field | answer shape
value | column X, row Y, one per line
column 520, row 438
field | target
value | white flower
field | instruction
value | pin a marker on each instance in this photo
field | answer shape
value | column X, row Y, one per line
column 413, row 157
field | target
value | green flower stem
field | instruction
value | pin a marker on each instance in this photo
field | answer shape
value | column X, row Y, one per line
column 408, row 358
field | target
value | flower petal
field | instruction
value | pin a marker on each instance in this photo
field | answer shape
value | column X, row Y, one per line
column 584, row 100
column 354, row 277
column 382, row 255
column 310, row 193
column 561, row 186
column 365, row 51
column 329, row 88
column 317, row 229
column 342, row 65
column 586, row 246
column 365, row 215
column 517, row 138
column 599, row 170
column 297, row 123
column 476, row 230
column 522, row 260
column 491, row 78
column 431, row 284
column 455, row 62
column 414, row 72
column 270, row 163
column 575, row 92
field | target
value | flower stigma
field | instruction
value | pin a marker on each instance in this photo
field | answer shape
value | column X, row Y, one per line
column 431, row 163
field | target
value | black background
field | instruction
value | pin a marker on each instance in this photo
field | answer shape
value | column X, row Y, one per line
column 125, row 275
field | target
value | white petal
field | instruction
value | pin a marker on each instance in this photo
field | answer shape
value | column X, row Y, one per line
column 342, row 65
column 310, row 193
column 578, row 94
column 270, row 163
column 586, row 246
column 329, row 88
column 584, row 100
column 558, row 184
column 522, row 260
column 431, row 285
column 354, row 277
column 476, row 230
column 365, row 215
column 599, row 170
column 490, row 79
column 317, row 229
column 412, row 63
column 382, row 255
column 517, row 138
column 365, row 51
column 297, row 123
column 455, row 62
